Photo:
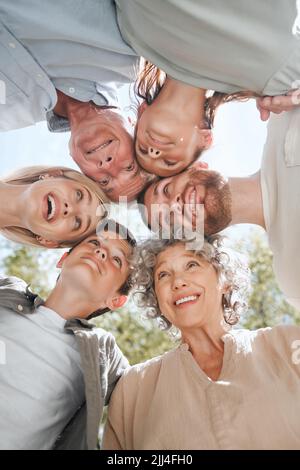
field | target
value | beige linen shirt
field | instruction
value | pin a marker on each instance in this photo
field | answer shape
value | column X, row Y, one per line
column 169, row 403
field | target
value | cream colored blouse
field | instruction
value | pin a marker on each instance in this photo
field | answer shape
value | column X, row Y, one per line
column 169, row 403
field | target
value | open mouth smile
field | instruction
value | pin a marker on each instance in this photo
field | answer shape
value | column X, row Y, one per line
column 99, row 147
column 50, row 207
column 187, row 300
column 193, row 204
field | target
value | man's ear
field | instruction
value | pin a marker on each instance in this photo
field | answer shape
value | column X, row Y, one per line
column 60, row 262
column 117, row 302
column 47, row 243
column 205, row 138
column 142, row 108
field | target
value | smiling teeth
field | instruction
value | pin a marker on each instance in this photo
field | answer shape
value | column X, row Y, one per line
column 100, row 147
column 193, row 201
column 51, row 204
column 105, row 144
column 186, row 299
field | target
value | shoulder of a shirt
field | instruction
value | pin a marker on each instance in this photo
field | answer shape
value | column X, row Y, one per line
column 279, row 338
column 13, row 282
column 149, row 367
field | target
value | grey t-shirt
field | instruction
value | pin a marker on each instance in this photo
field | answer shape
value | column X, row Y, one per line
column 223, row 45
column 41, row 379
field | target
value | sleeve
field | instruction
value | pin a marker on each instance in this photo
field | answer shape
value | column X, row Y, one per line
column 114, row 431
column 117, row 364
column 284, row 347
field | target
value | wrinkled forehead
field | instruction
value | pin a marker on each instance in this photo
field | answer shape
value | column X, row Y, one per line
column 178, row 251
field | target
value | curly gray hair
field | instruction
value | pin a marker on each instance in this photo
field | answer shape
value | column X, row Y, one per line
column 232, row 273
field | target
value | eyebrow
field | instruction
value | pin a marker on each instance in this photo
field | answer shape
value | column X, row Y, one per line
column 155, row 188
column 186, row 255
column 89, row 195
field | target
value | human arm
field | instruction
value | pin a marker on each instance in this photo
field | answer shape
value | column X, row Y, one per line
column 117, row 363
column 118, row 423
column 277, row 104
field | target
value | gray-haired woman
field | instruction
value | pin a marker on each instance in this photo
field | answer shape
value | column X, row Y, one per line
column 221, row 388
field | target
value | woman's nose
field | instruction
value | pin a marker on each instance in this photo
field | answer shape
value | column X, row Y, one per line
column 176, row 204
column 102, row 253
column 153, row 152
column 178, row 283
column 67, row 209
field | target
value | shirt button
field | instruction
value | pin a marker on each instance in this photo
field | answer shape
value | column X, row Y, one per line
column 20, row 308
column 12, row 44
column 72, row 90
column 39, row 75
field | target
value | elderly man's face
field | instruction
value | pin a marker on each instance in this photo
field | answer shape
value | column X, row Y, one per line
column 185, row 194
column 102, row 147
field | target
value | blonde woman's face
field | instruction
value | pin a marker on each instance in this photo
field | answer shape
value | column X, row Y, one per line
column 187, row 288
column 59, row 209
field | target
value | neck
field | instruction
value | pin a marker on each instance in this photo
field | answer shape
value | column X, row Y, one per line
column 247, row 206
column 183, row 97
column 205, row 340
column 12, row 205
column 69, row 302
column 207, row 347
column 70, row 108
column 75, row 111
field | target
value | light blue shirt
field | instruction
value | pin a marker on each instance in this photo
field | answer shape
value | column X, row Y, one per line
column 74, row 46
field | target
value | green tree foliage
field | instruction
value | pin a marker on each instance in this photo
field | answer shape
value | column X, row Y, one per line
column 267, row 306
column 138, row 339
column 30, row 264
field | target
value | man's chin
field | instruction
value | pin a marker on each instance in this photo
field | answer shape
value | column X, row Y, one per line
column 121, row 198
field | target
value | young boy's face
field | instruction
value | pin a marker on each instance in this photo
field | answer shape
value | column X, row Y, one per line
column 98, row 267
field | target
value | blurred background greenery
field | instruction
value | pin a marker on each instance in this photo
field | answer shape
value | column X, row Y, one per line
column 141, row 339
